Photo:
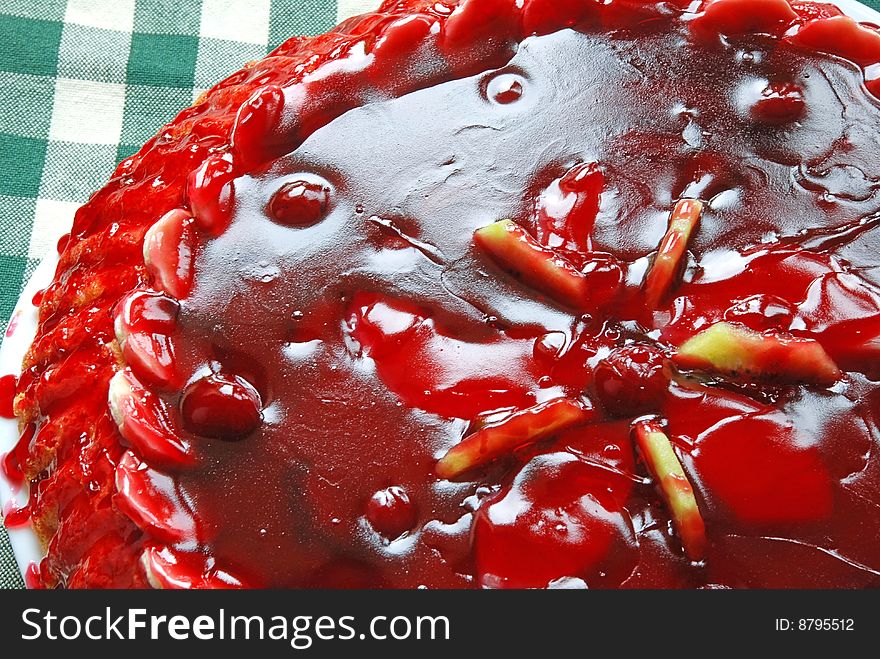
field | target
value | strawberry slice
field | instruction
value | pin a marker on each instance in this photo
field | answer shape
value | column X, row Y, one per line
column 169, row 252
column 167, row 568
column 211, row 194
column 668, row 262
column 675, row 488
column 143, row 323
column 736, row 350
column 519, row 429
column 842, row 36
column 150, row 500
column 144, row 420
column 540, row 267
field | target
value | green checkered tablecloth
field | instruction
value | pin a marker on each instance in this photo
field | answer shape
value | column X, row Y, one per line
column 85, row 82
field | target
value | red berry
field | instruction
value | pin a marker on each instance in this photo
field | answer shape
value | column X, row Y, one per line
column 630, row 381
column 391, row 512
column 780, row 103
column 300, row 203
column 221, row 407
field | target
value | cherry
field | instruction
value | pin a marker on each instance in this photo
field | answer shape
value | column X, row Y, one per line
column 780, row 103
column 300, row 203
column 391, row 512
column 221, row 407
column 630, row 381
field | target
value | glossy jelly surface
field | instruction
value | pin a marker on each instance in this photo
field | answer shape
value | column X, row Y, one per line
column 356, row 313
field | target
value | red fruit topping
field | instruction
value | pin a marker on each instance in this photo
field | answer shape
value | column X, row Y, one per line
column 401, row 38
column 631, row 381
column 747, row 16
column 429, row 370
column 391, row 512
column 16, row 518
column 37, row 299
column 567, row 209
column 32, row 578
column 557, row 522
column 739, row 351
column 811, row 11
column 145, row 421
column 515, row 431
column 762, row 312
column 150, row 499
column 480, row 29
column 13, row 463
column 665, row 468
column 547, row 16
column 669, row 261
column 840, row 36
column 540, row 267
column 211, row 195
column 764, row 470
column 257, row 118
column 169, row 568
column 143, row 323
column 169, row 252
column 7, row 396
column 221, row 407
column 780, row 103
column 63, row 242
column 301, row 202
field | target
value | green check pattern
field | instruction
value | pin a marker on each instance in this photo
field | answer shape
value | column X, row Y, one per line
column 85, row 82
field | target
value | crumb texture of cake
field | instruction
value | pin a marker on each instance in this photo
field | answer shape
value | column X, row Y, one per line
column 480, row 294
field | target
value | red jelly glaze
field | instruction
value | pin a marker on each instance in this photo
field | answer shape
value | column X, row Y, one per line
column 780, row 103
column 8, row 384
column 16, row 518
column 379, row 340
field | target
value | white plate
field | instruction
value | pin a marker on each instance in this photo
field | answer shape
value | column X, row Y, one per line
column 23, row 327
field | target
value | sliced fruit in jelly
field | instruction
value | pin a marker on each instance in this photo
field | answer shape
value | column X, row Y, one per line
column 169, row 568
column 519, row 429
column 667, row 264
column 169, row 252
column 842, row 36
column 144, row 420
column 515, row 250
column 143, row 323
column 736, row 350
column 557, row 520
column 674, row 486
column 149, row 498
column 211, row 194
column 747, row 16
column 254, row 123
column 766, row 469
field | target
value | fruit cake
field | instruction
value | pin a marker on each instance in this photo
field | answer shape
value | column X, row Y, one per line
column 480, row 294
